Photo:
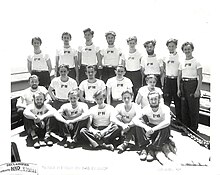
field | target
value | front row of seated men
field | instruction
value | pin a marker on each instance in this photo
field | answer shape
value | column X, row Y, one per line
column 102, row 126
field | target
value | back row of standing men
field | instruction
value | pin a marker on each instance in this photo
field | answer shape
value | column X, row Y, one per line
column 92, row 68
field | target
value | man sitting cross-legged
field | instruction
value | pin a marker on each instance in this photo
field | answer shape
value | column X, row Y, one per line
column 38, row 114
column 156, row 128
column 101, row 131
column 125, row 113
column 76, row 113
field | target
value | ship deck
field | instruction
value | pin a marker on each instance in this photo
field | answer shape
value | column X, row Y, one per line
column 59, row 159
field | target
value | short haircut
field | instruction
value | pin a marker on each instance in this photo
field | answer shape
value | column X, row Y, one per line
column 132, row 38
column 150, row 76
column 33, row 77
column 110, row 33
column 153, row 93
column 36, row 38
column 98, row 93
column 38, row 94
column 153, row 42
column 88, row 30
column 66, row 33
column 121, row 66
column 64, row 66
column 91, row 67
column 74, row 92
column 171, row 40
column 127, row 92
column 186, row 44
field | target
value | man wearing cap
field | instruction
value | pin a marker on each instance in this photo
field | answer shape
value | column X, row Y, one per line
column 152, row 64
column 68, row 56
column 88, row 55
column 110, row 57
column 189, row 85
column 171, row 73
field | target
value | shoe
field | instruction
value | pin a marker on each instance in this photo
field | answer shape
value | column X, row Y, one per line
column 72, row 144
column 47, row 139
column 143, row 155
column 48, row 142
column 150, row 156
column 36, row 142
column 66, row 145
column 108, row 146
column 122, row 147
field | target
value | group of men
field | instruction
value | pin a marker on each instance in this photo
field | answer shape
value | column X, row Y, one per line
column 93, row 92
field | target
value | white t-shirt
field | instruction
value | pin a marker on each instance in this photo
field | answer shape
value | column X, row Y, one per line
column 66, row 56
column 102, row 117
column 172, row 65
column 27, row 95
column 81, row 108
column 39, row 61
column 158, row 116
column 151, row 65
column 143, row 93
column 127, row 116
column 45, row 108
column 189, row 68
column 111, row 56
column 133, row 61
column 91, row 88
column 63, row 88
column 117, row 87
column 89, row 54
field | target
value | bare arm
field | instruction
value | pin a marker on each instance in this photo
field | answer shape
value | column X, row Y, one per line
column 199, row 73
column 109, row 95
column 138, row 98
column 57, row 65
column 50, row 91
column 178, row 83
column 29, row 63
column 76, row 69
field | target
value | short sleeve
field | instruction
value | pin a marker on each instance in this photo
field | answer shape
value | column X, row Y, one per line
column 29, row 58
column 80, row 49
column 81, row 86
column 198, row 65
column 57, row 52
column 102, row 52
column 97, row 49
column 108, row 83
column 46, row 57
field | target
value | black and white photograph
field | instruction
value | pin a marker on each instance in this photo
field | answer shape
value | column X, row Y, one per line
column 109, row 87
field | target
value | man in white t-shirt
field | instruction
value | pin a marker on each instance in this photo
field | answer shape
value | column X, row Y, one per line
column 101, row 131
column 88, row 55
column 126, row 112
column 189, row 85
column 132, row 63
column 38, row 114
column 89, row 86
column 110, row 57
column 67, row 56
column 39, row 64
column 155, row 121
column 116, row 85
column 76, row 113
column 152, row 64
column 172, row 63
column 60, row 87
column 26, row 97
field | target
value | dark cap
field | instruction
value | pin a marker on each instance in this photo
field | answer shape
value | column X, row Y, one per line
column 171, row 40
column 110, row 32
column 88, row 30
column 151, row 41
column 132, row 38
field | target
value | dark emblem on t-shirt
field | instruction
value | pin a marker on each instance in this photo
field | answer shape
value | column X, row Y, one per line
column 156, row 115
column 63, row 86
